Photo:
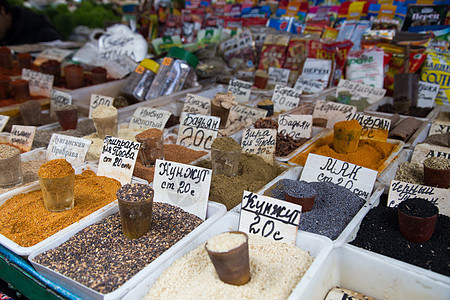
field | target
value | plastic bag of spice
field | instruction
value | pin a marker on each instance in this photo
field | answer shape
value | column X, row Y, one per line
column 366, row 67
column 273, row 53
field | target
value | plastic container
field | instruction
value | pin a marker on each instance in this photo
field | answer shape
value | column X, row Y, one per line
column 74, row 76
column 11, row 173
column 58, row 193
column 139, row 82
column 67, row 117
column 172, row 73
column 225, row 162
column 20, row 90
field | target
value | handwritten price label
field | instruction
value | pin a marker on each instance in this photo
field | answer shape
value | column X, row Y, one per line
column 295, row 126
column 278, row 76
column 285, row 98
column 309, row 86
column 40, row 84
column 359, row 90
column 22, row 136
column 147, row 117
column 240, row 89
column 427, row 93
column 3, row 121
column 197, row 131
column 439, row 127
column 423, row 151
column 374, row 128
column 70, row 148
column 196, row 104
column 97, row 100
column 57, row 99
column 261, row 142
column 332, row 112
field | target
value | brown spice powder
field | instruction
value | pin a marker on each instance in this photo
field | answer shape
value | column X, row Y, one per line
column 149, row 133
column 56, row 168
column 25, row 220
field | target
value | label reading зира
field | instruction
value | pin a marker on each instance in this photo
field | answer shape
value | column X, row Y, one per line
column 260, row 142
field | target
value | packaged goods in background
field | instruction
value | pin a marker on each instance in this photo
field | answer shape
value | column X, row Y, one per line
column 366, row 67
column 437, row 70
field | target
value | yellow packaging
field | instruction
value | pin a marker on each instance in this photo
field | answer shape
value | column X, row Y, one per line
column 437, row 70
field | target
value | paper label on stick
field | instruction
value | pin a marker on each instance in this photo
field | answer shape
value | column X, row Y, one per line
column 261, row 142
column 59, row 98
column 374, row 128
column 118, row 158
column 196, row 104
column 355, row 178
column 22, row 136
column 259, row 217
column 285, row 98
column 427, row 93
column 240, row 89
column 309, row 86
column 295, row 126
column 278, row 76
column 423, row 151
column 197, row 131
column 147, row 117
column 120, row 67
column 40, row 84
column 400, row 191
column 332, row 111
column 70, row 148
column 439, row 127
column 3, row 121
column 239, row 113
column 97, row 100
column 182, row 185
column 359, row 90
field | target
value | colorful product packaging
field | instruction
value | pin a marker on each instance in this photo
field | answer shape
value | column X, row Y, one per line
column 366, row 67
column 437, row 70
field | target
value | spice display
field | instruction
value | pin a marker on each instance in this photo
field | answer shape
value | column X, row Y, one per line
column 410, row 172
column 436, row 172
column 225, row 156
column 55, row 168
column 10, row 166
column 105, row 120
column 443, row 116
column 275, row 269
column 379, row 232
column 334, row 207
column 29, row 174
column 98, row 75
column 285, row 144
column 20, row 90
column 414, row 111
column 370, row 154
column 226, row 241
column 74, row 75
column 67, row 116
column 30, row 112
column 346, row 136
column 101, row 258
column 253, row 173
column 438, row 163
column 404, row 129
column 220, row 106
column 152, row 146
column 25, row 220
column 442, row 139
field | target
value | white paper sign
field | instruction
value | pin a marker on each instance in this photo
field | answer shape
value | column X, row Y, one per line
column 120, row 67
column 70, row 148
column 182, row 185
column 239, row 113
column 400, row 191
column 97, row 100
column 439, row 127
column 285, row 98
column 22, row 137
column 427, row 93
column 374, row 128
column 197, row 131
column 332, row 111
column 59, row 98
column 355, row 178
column 423, row 151
column 278, row 76
column 3, row 121
column 52, row 53
column 261, row 142
column 317, row 69
column 295, row 126
column 359, row 90
column 118, row 158
column 120, row 41
column 196, row 104
column 147, row 117
column 268, row 217
column 40, row 84
column 240, row 89
column 309, row 86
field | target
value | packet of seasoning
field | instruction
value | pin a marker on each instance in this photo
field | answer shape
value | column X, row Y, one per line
column 282, row 24
column 239, row 52
column 437, row 70
column 296, row 27
column 425, row 15
column 441, row 33
column 318, row 69
column 329, row 34
column 172, row 27
column 386, row 16
column 296, row 52
column 354, row 31
column 192, row 21
column 273, row 51
column 162, row 45
column 259, row 34
column 366, row 67
column 320, row 14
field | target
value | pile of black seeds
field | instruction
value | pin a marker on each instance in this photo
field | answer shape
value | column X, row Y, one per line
column 379, row 232
column 334, row 207
column 134, row 192
column 298, row 189
column 102, row 258
column 418, row 207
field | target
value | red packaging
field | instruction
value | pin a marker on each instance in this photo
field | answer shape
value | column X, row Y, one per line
column 296, row 53
column 274, row 51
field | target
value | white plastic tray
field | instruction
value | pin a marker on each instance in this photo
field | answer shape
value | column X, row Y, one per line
column 319, row 247
column 374, row 275
column 25, row 251
column 391, row 170
column 312, row 98
column 419, row 136
column 214, row 212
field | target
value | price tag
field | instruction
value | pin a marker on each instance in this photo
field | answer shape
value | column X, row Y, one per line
column 40, row 84
column 239, row 113
column 309, row 86
column 278, row 76
column 120, row 67
column 427, row 93
column 400, row 191
column 148, row 117
column 259, row 217
column 261, row 142
column 338, row 293
column 374, row 128
column 117, row 43
column 439, row 127
column 423, row 151
column 331, row 111
column 197, row 131
column 118, row 158
column 359, row 90
column 196, row 104
column 317, row 69
column 97, row 100
column 70, row 148
column 3, row 121
column 240, row 89
column 285, row 98
column 295, row 126
column 182, row 185
column 52, row 53
column 355, row 178
column 59, row 98
column 22, row 137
